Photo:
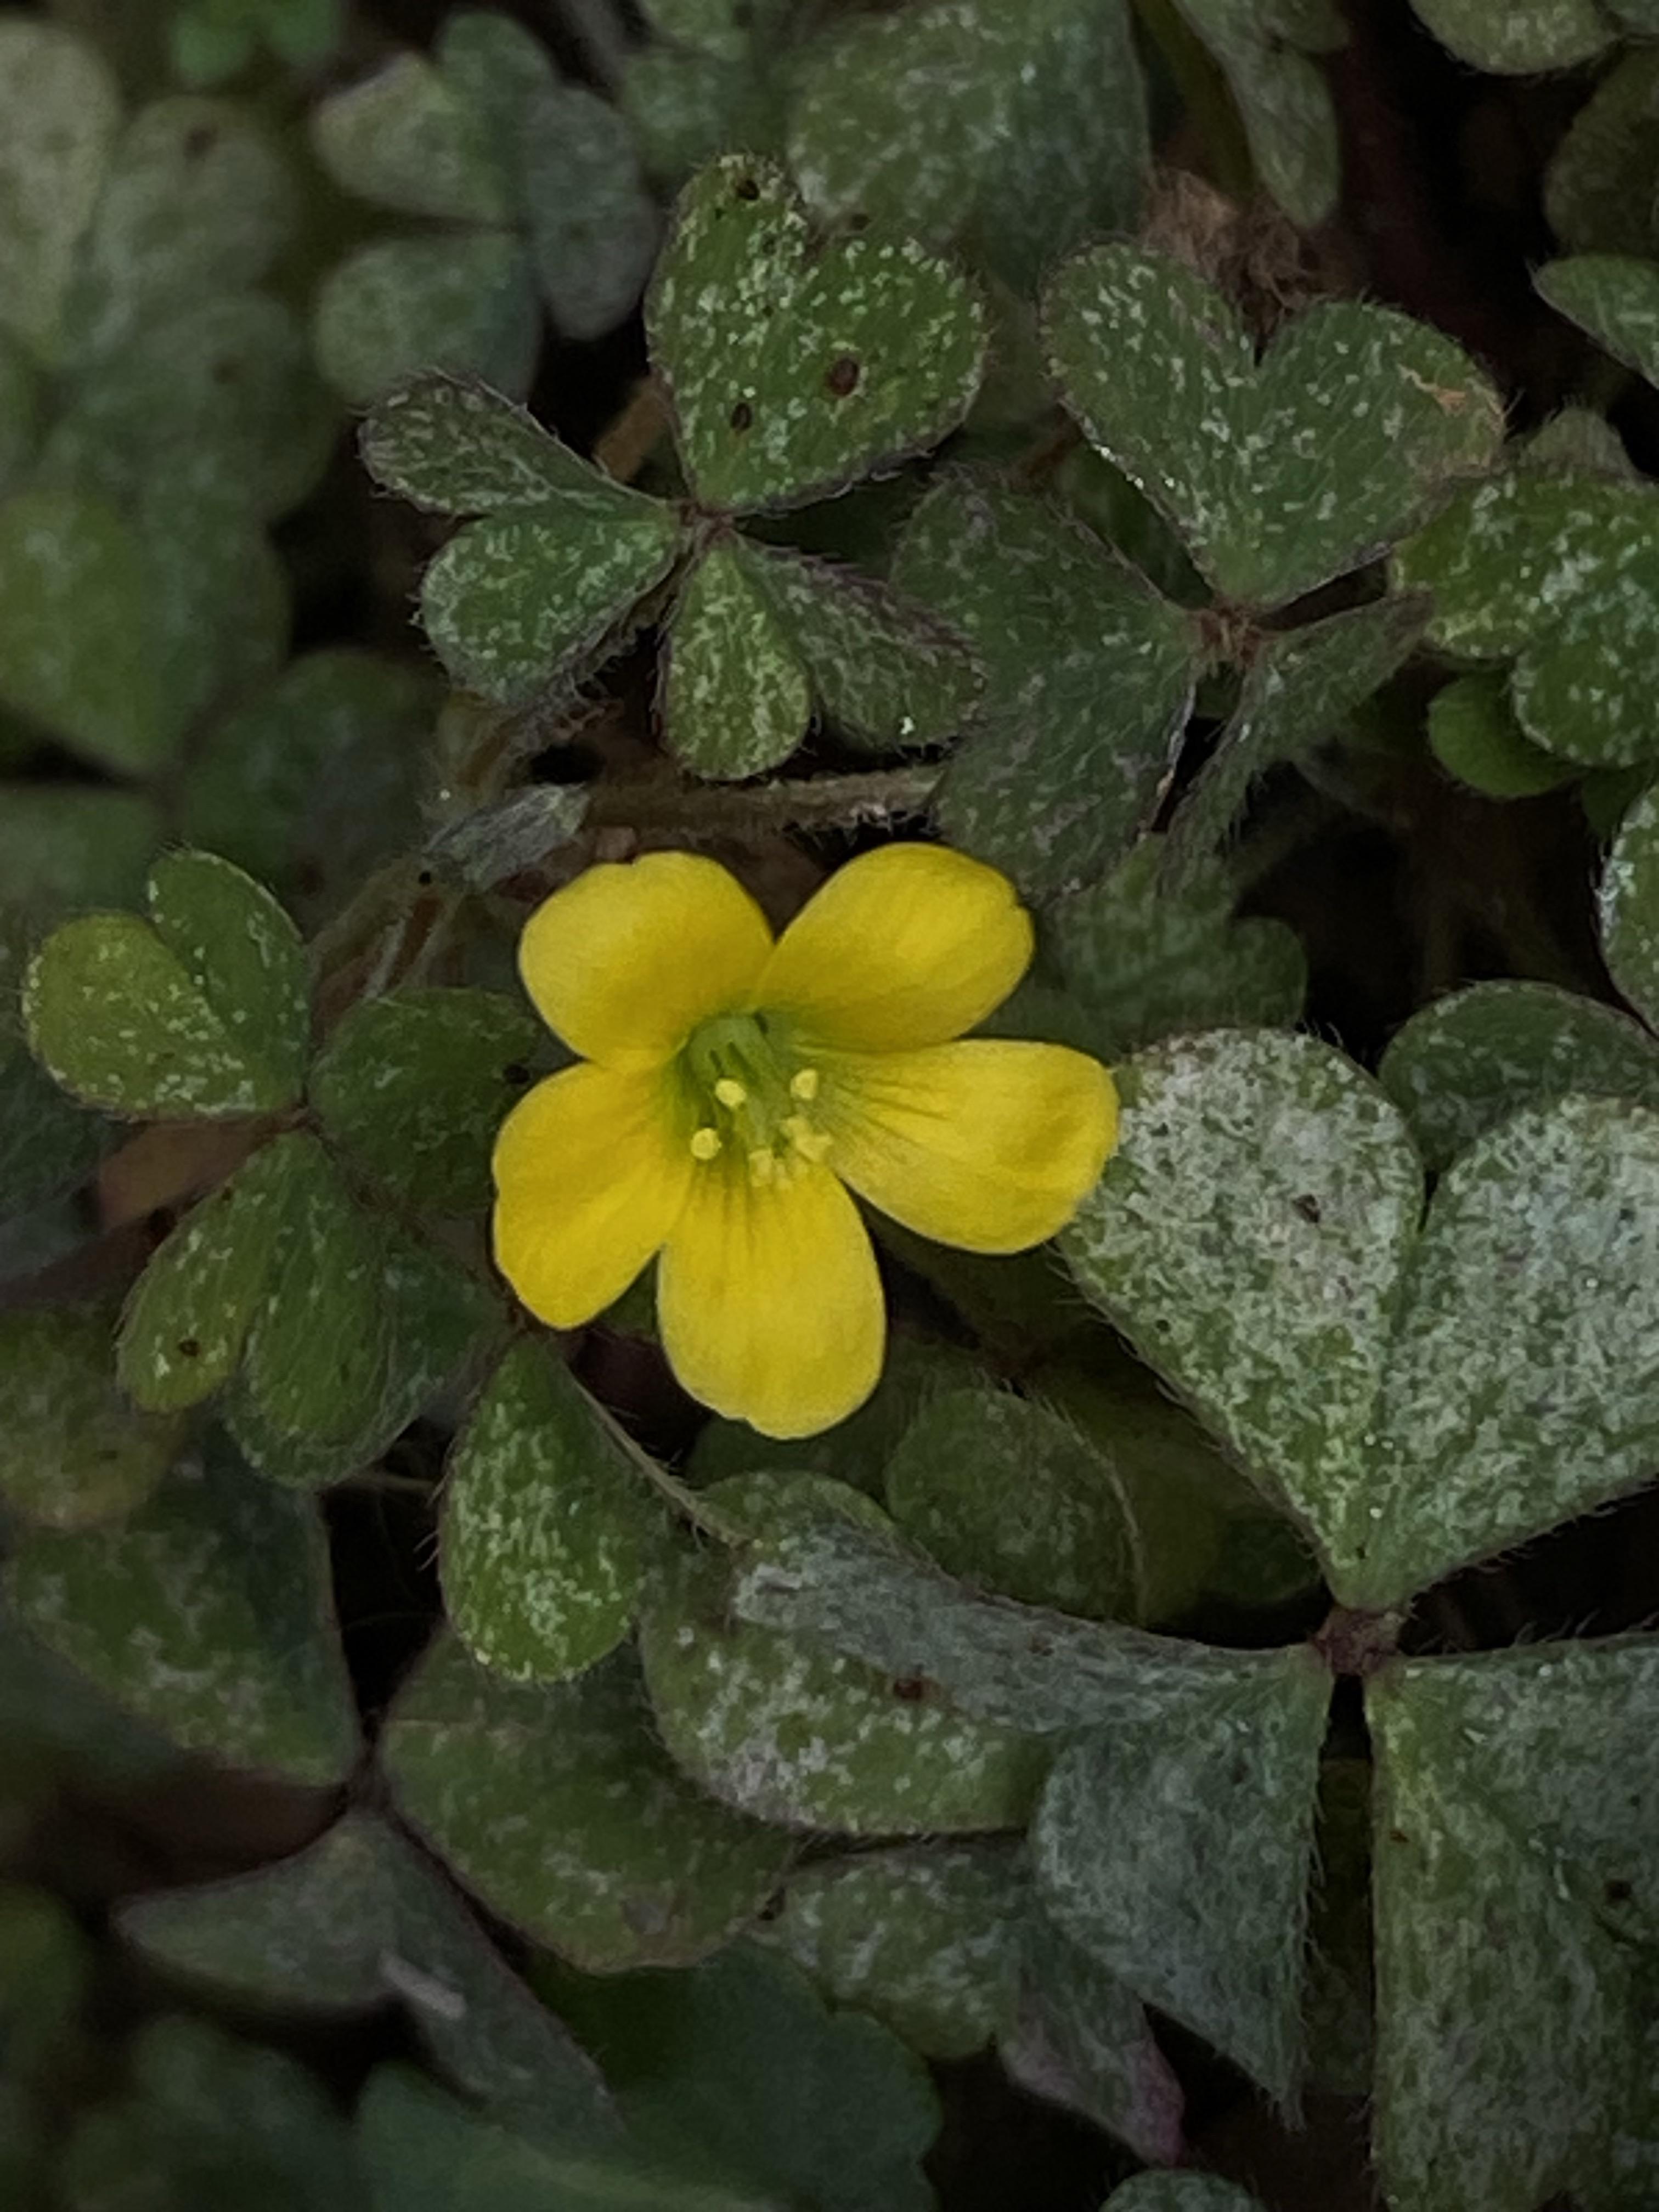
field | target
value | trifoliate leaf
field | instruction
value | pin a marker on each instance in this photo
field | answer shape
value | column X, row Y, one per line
column 460, row 300
column 547, row 1525
column 1298, row 690
column 1516, row 1881
column 1265, row 54
column 413, row 1087
column 76, row 1452
column 925, row 1938
column 557, row 1805
column 359, row 1918
column 206, row 1614
column 1180, row 1860
column 1019, row 132
column 1088, row 673
column 871, row 349
column 1559, row 574
column 1279, row 474
column 800, row 1735
column 1248, row 1238
column 406, row 139
column 1468, row 1061
column 75, row 653
column 1629, row 907
column 593, row 225
column 1007, row 1495
column 1522, row 1386
column 196, row 206
column 1474, row 736
column 1518, row 39
column 60, row 109
column 200, row 1011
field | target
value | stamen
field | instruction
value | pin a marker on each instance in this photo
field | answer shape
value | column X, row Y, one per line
column 705, row 1143
column 811, row 1144
column 763, row 1166
column 804, row 1084
column 730, row 1093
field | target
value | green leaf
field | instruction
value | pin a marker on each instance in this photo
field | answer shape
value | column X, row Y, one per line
column 406, row 139
column 515, row 603
column 1282, row 98
column 1474, row 736
column 313, row 779
column 47, row 1144
column 211, row 39
column 52, row 1719
column 872, row 350
column 498, row 67
column 1248, row 1238
column 318, row 1349
column 1340, row 2008
column 1523, row 1385
column 546, row 1525
column 593, row 225
column 1298, row 690
column 1599, row 184
column 1629, row 907
column 1280, row 474
column 737, row 2070
column 926, row 1938
column 1468, row 1061
column 1009, row 1497
column 414, row 1085
column 435, row 1316
column 556, row 1807
column 201, row 1011
column 1612, row 296
column 208, row 2120
column 1181, row 2192
column 1090, row 677
column 197, row 204
column 76, row 1452
column 852, row 1588
column 736, row 699
column 1082, row 2040
column 21, row 412
column 445, row 443
column 1578, row 437
column 74, row 844
column 1516, row 1882
column 812, row 1737
column 683, row 107
column 358, row 1917
column 206, row 1614
column 1560, row 575
column 188, row 1316
column 1141, row 958
column 59, row 112
column 1021, row 132
column 459, row 301
column 75, row 606
column 218, row 603
column 1518, row 39
column 1180, row 1860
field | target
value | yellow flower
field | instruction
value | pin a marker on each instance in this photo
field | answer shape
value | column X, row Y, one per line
column 731, row 1088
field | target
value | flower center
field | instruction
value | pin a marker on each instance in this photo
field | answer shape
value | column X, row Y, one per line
column 751, row 1093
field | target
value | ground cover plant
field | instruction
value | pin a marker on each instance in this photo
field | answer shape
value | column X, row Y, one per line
column 829, row 1106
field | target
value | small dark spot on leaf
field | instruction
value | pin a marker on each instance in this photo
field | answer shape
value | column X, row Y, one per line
column 746, row 188
column 224, row 372
column 741, row 415
column 425, row 879
column 859, row 222
column 202, row 140
column 189, row 1348
column 1039, row 1646
column 515, row 1072
column 843, row 375
column 1398, row 1836
column 1308, row 1206
column 772, row 1910
column 1617, row 1891
column 912, row 1688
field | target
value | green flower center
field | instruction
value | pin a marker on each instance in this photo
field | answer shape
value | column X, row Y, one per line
column 750, row 1090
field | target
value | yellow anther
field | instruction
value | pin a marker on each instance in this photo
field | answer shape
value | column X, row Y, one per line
column 763, row 1166
column 705, row 1143
column 730, row 1093
column 804, row 1084
column 811, row 1144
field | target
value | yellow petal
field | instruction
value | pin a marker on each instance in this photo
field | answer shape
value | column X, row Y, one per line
column 984, row 1145
column 592, row 1171
column 628, row 959
column 769, row 1301
column 910, row 944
